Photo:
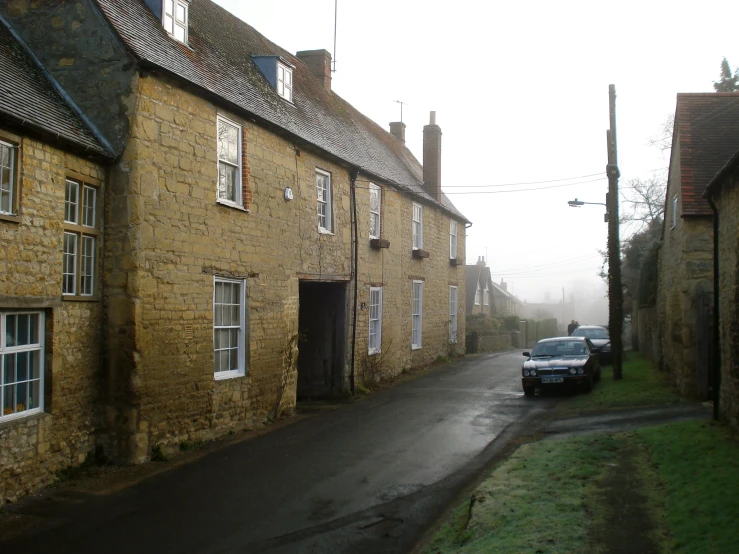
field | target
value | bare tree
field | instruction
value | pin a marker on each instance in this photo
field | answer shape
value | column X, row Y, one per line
column 642, row 202
column 663, row 139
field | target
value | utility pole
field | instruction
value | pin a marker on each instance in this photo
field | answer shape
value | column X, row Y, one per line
column 615, row 291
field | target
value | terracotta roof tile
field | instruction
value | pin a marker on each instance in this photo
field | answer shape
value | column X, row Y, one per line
column 708, row 126
column 219, row 61
column 28, row 98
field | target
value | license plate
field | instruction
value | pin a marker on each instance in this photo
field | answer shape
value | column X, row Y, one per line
column 552, row 380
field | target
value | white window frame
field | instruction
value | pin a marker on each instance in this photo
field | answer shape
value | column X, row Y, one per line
column 453, row 305
column 325, row 199
column 376, row 347
column 417, row 226
column 417, row 315
column 486, row 296
column 9, row 187
column 477, row 296
column 452, row 239
column 6, row 350
column 285, row 81
column 172, row 23
column 375, row 214
column 674, row 212
column 238, row 200
column 241, row 327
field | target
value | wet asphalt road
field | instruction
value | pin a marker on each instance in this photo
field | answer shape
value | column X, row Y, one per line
column 366, row 477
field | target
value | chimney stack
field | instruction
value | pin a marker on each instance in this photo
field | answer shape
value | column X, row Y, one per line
column 397, row 129
column 481, row 261
column 503, row 285
column 432, row 158
column 319, row 62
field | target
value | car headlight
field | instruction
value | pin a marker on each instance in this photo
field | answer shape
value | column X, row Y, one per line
column 532, row 373
column 573, row 370
column 525, row 372
column 580, row 370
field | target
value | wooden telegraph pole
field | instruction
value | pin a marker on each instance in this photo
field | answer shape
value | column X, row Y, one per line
column 615, row 291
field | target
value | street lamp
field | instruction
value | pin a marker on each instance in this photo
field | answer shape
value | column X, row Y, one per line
column 579, row 203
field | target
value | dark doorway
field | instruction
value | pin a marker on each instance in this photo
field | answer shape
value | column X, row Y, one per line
column 322, row 343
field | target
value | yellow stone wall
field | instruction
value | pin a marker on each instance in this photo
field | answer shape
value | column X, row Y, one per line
column 33, row 448
column 166, row 236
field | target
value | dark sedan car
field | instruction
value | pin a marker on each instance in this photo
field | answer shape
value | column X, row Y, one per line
column 558, row 362
column 599, row 337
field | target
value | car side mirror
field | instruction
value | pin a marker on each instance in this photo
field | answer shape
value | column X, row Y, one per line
column 527, row 354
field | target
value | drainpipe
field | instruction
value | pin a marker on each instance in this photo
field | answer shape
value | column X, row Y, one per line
column 352, row 181
column 716, row 369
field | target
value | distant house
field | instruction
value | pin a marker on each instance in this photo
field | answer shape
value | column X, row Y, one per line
column 263, row 240
column 705, row 137
column 479, row 285
column 504, row 302
column 723, row 193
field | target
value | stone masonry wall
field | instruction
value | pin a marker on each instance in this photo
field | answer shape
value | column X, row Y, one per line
column 166, row 238
column 33, row 448
column 727, row 202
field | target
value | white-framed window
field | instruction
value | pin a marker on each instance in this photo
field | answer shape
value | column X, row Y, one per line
column 417, row 314
column 485, row 296
column 674, row 212
column 324, row 194
column 229, row 162
column 229, row 328
column 8, row 193
column 375, row 204
column 375, row 320
column 174, row 18
column 285, row 82
column 21, row 364
column 477, row 296
column 452, row 314
column 452, row 239
column 80, row 239
column 417, row 227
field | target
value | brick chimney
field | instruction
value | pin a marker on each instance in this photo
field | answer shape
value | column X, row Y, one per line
column 319, row 62
column 432, row 158
column 397, row 129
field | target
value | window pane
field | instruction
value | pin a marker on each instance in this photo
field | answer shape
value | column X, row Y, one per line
column 168, row 24
column 88, row 206
column 34, row 328
column 169, row 7
column 22, row 335
column 9, row 369
column 69, row 276
column 6, row 178
column 9, row 400
column 21, row 366
column 179, row 33
column 227, row 179
column 228, row 142
column 35, row 364
column 180, row 13
column 34, row 395
column 71, row 201
column 10, row 330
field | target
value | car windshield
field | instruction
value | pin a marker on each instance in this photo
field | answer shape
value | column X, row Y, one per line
column 591, row 333
column 559, row 348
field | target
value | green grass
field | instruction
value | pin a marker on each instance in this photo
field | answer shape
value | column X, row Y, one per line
column 534, row 502
column 642, row 386
column 698, row 464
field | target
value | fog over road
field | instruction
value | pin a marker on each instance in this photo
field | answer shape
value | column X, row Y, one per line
column 366, row 477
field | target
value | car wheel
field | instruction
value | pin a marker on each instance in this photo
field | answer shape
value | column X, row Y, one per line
column 529, row 391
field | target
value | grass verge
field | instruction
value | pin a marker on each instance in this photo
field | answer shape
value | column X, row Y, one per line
column 642, row 386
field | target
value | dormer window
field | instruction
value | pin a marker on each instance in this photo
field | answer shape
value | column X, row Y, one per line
column 285, row 82
column 174, row 18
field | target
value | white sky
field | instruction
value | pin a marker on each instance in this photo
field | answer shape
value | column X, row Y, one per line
column 521, row 94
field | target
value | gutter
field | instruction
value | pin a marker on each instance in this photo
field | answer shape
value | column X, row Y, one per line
column 352, row 180
column 716, row 338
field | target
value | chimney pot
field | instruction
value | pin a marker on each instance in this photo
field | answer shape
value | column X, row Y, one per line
column 397, row 129
column 433, row 118
column 319, row 63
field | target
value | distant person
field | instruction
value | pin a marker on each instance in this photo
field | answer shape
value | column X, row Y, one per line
column 571, row 328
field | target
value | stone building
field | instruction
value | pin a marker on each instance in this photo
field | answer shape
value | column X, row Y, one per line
column 705, row 136
column 264, row 240
column 479, row 286
column 52, row 183
column 723, row 193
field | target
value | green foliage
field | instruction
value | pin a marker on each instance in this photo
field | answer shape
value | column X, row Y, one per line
column 648, row 276
column 511, row 322
column 186, row 446
column 483, row 324
column 157, row 455
column 728, row 82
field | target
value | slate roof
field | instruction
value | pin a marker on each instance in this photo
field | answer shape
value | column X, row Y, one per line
column 474, row 274
column 29, row 99
column 708, row 126
column 218, row 59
